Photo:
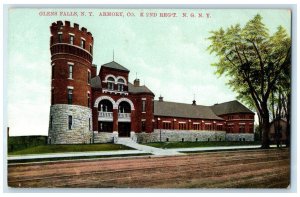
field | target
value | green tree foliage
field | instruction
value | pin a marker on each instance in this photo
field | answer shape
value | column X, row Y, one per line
column 255, row 63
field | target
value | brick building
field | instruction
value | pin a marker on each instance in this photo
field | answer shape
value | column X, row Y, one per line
column 91, row 107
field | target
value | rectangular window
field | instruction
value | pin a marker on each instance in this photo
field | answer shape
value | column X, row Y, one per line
column 219, row 127
column 70, row 71
column 208, row 127
column 70, row 96
column 182, row 126
column 82, row 43
column 196, row 126
column 91, row 49
column 143, row 106
column 88, row 100
column 52, row 96
column 242, row 129
column 89, row 124
column 120, row 87
column 70, row 122
column 110, row 85
column 166, row 125
column 89, row 77
column 143, row 126
column 51, row 122
column 59, row 38
column 71, row 39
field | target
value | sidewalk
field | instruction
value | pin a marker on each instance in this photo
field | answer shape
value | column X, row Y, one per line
column 140, row 149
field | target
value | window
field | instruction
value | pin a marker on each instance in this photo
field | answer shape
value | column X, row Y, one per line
column 71, row 39
column 82, row 44
column 121, row 85
column 166, row 125
column 230, row 128
column 230, row 117
column 88, row 100
column 89, row 77
column 70, row 122
column 70, row 71
column 182, row 126
column 219, row 127
column 91, row 49
column 196, row 126
column 143, row 106
column 242, row 129
column 208, row 127
column 89, row 124
column 59, row 38
column 143, row 126
column 110, row 83
column 70, row 96
column 52, row 96
column 51, row 122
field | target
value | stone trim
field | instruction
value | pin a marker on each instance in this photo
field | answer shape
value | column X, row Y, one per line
column 127, row 100
column 97, row 101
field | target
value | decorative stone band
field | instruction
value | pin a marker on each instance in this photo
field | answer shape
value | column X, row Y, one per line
column 80, row 124
column 114, row 103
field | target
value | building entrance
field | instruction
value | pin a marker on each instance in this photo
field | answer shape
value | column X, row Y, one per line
column 124, row 129
column 105, row 126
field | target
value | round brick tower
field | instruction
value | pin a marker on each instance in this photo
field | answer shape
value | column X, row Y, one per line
column 71, row 61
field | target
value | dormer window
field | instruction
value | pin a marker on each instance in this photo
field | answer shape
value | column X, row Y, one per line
column 121, row 85
column 110, row 83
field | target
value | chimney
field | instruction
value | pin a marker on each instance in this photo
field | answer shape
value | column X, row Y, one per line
column 161, row 99
column 194, row 102
column 136, row 82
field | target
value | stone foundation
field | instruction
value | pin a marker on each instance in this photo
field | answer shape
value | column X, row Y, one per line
column 105, row 137
column 180, row 135
column 189, row 135
column 79, row 133
column 239, row 137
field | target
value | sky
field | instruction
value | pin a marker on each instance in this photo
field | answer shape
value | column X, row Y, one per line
column 168, row 54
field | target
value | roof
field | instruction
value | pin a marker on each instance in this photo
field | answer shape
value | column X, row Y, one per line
column 183, row 110
column 138, row 89
column 96, row 82
column 230, row 107
column 115, row 65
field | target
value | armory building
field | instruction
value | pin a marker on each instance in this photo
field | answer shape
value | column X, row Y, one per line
column 91, row 107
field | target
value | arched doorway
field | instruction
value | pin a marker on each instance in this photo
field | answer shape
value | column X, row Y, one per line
column 105, row 118
column 124, row 119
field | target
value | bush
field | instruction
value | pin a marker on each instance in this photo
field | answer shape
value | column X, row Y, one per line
column 23, row 142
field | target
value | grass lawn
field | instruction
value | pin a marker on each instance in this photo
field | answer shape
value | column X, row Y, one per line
column 198, row 144
column 69, row 148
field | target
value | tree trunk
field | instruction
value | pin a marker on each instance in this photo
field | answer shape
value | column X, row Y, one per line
column 265, row 127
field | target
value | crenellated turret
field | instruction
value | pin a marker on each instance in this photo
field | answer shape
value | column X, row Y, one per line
column 71, row 61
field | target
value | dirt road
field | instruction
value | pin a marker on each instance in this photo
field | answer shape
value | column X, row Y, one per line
column 230, row 169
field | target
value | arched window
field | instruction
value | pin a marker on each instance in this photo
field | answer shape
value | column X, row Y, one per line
column 110, row 83
column 121, row 83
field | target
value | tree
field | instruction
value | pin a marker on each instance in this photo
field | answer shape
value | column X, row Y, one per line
column 254, row 61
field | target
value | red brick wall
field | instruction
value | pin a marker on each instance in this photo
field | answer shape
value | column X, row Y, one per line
column 137, row 115
column 239, row 119
column 61, row 54
column 189, row 123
